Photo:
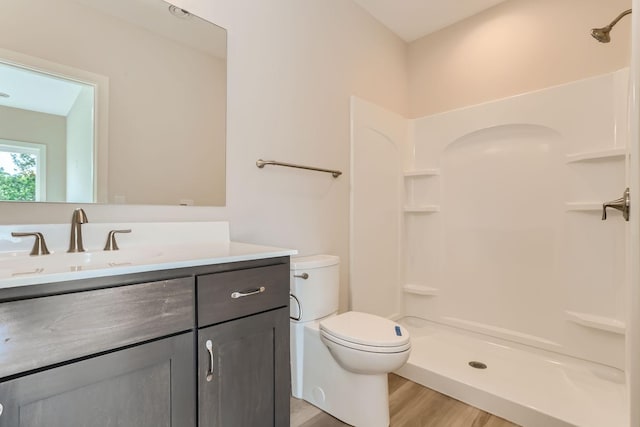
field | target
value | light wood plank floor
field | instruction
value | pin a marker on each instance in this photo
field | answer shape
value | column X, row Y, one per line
column 410, row 405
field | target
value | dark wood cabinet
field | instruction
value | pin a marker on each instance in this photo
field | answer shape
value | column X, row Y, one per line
column 130, row 351
column 243, row 348
column 243, row 372
column 148, row 385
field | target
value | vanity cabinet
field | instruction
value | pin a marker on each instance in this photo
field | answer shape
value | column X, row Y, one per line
column 99, row 357
column 130, row 350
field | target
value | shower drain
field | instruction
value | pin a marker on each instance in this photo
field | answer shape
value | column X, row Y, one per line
column 477, row 365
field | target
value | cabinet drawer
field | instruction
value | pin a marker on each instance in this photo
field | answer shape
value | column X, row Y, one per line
column 43, row 331
column 233, row 294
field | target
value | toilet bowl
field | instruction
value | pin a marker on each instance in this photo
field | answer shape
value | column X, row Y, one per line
column 339, row 362
column 364, row 343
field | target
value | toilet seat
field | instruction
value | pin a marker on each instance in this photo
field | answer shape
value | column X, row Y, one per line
column 365, row 332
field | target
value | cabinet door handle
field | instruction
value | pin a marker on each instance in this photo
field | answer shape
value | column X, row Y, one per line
column 209, row 346
column 259, row 290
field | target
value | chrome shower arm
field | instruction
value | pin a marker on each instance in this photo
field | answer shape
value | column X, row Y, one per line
column 619, row 17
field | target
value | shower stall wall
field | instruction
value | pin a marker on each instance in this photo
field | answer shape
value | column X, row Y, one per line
column 499, row 229
column 517, row 248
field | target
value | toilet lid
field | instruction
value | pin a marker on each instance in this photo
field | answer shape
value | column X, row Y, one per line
column 365, row 329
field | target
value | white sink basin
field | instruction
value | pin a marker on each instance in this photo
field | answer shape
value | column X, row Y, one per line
column 20, row 264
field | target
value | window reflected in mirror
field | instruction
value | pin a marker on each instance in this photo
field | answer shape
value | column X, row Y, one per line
column 21, row 177
column 50, row 121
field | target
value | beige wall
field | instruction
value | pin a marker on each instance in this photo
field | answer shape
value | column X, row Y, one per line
column 40, row 128
column 515, row 47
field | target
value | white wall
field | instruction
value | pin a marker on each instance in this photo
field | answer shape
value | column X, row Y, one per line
column 292, row 67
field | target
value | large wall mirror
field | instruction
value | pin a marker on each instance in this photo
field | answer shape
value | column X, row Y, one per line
column 111, row 101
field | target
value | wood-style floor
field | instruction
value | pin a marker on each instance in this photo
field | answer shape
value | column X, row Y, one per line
column 410, row 405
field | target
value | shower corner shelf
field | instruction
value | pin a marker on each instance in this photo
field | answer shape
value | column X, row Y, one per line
column 421, row 172
column 597, row 322
column 422, row 209
column 586, row 156
column 583, row 206
column 411, row 288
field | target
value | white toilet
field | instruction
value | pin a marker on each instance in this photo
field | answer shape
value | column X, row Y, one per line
column 339, row 362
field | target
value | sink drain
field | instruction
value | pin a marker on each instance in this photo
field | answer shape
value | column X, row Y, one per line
column 477, row 365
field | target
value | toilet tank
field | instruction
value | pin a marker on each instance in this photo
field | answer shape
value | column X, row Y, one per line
column 317, row 295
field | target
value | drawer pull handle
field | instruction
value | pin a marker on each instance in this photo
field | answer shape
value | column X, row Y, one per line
column 259, row 290
column 209, row 346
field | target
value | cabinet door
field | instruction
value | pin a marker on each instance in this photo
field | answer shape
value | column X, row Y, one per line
column 149, row 385
column 243, row 372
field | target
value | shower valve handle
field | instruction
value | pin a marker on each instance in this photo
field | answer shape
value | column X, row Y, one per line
column 622, row 204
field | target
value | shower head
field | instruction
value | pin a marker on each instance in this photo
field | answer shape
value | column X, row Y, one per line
column 602, row 34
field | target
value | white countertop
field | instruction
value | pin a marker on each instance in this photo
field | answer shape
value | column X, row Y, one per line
column 149, row 247
column 163, row 259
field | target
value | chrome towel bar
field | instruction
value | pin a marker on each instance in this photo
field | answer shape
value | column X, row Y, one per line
column 262, row 163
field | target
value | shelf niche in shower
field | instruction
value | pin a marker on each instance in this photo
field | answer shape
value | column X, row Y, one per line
column 421, row 209
column 421, row 172
column 415, row 289
column 588, row 156
column 597, row 322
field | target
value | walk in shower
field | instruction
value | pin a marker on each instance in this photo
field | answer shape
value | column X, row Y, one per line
column 480, row 230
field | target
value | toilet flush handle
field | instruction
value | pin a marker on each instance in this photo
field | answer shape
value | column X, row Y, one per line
column 304, row 276
column 299, row 316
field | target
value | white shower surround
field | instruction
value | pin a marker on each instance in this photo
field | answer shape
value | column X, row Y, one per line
column 493, row 218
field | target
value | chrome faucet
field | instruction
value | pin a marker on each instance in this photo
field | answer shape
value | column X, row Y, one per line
column 78, row 218
column 39, row 245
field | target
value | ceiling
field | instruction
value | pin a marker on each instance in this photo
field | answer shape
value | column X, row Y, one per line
column 413, row 19
column 35, row 91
